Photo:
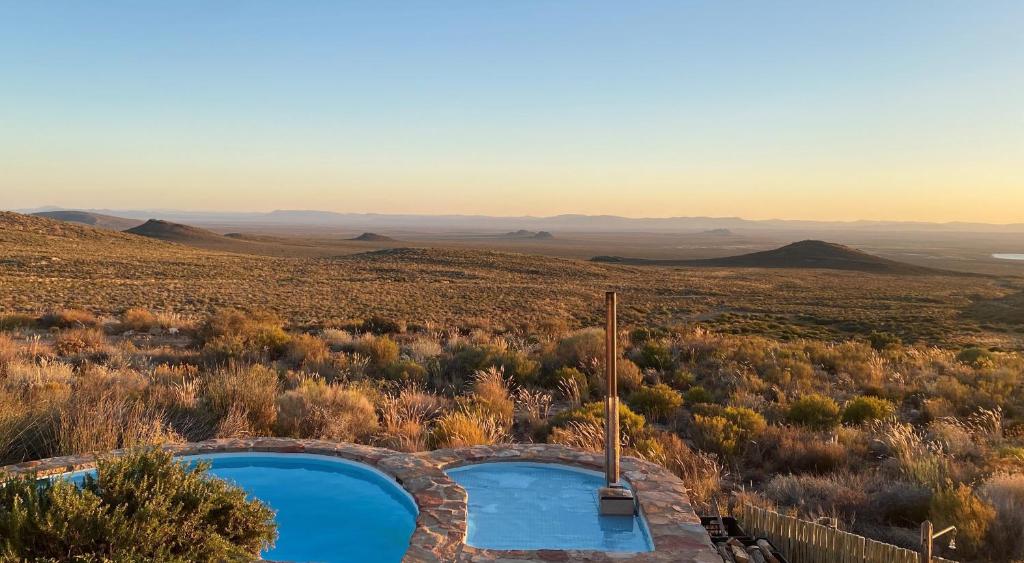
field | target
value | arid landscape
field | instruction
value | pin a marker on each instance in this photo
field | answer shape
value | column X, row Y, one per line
column 816, row 378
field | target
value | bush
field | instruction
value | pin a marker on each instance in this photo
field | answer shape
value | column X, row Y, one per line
column 819, row 495
column 406, row 372
column 730, row 430
column 884, row 340
column 653, row 355
column 381, row 350
column 141, row 507
column 316, row 409
column 583, row 349
column 233, row 335
column 306, row 350
column 863, row 409
column 697, row 394
column 959, row 506
column 14, row 321
column 898, row 503
column 975, row 357
column 817, row 412
column 657, row 402
column 463, row 428
column 80, row 342
column 631, row 424
column 1005, row 492
column 558, row 378
column 250, row 390
column 69, row 318
column 491, row 394
column 139, row 320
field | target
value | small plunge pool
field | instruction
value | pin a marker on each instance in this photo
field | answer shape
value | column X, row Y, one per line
column 517, row 505
column 328, row 509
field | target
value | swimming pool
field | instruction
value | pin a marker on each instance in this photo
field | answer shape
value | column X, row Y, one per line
column 328, row 509
column 520, row 505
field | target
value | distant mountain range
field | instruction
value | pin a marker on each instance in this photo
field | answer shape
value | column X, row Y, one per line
column 573, row 222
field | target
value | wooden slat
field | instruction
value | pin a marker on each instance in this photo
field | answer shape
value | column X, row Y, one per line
column 808, row 542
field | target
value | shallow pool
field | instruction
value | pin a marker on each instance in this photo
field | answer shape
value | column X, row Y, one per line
column 516, row 505
column 328, row 509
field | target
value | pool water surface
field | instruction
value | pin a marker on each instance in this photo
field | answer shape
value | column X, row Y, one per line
column 515, row 505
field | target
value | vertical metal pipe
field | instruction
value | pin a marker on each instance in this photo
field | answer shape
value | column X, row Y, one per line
column 611, row 406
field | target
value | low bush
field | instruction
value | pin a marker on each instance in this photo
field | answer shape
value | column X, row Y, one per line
column 407, row 372
column 89, row 342
column 697, row 395
column 814, row 411
column 863, row 409
column 958, row 506
column 1005, row 493
column 140, row 507
column 463, row 428
column 381, row 350
column 316, row 409
column 308, row 351
column 251, row 390
column 729, row 430
column 139, row 320
column 657, row 403
column 69, row 318
column 631, row 423
column 14, row 321
column 231, row 335
column 975, row 357
column 653, row 354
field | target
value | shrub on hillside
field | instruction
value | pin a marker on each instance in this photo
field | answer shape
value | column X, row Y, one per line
column 381, row 350
column 791, row 449
column 14, row 321
column 69, row 318
column 232, row 335
column 251, row 390
column 658, row 402
column 863, row 409
column 697, row 395
column 316, row 409
column 958, row 506
column 653, row 354
column 141, row 507
column 729, row 430
column 90, row 342
column 463, row 428
column 814, row 411
column 407, row 373
column 139, row 320
column 631, row 423
column 1005, row 493
column 975, row 357
column 582, row 349
column 491, row 394
column 308, row 351
column 816, row 496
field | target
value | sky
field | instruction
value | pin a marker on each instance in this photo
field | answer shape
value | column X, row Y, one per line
column 878, row 110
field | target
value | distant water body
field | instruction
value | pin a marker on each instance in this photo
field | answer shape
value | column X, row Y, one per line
column 1009, row 256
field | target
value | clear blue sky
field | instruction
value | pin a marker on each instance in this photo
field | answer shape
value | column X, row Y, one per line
column 816, row 109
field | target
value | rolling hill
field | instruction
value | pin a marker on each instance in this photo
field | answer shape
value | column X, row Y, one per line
column 373, row 237
column 804, row 254
column 97, row 220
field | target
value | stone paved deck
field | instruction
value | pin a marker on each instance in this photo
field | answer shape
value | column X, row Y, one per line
column 441, row 525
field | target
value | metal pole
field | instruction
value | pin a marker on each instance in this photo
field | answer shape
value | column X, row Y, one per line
column 611, row 407
column 926, row 541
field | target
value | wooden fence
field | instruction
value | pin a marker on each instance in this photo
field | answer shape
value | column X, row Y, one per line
column 806, row 542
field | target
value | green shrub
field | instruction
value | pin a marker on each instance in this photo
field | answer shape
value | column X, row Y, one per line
column 406, row 372
column 975, row 357
column 582, row 349
column 653, row 355
column 884, row 340
column 657, row 402
column 698, row 394
column 863, row 409
column 383, row 325
column 141, row 507
column 560, row 377
column 814, row 411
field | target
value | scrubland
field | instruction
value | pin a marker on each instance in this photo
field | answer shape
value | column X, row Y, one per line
column 881, row 400
column 880, row 434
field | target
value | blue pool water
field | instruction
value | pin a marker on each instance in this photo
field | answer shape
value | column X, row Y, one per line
column 542, row 506
column 328, row 509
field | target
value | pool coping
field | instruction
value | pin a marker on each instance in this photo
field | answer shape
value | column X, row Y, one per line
column 440, row 531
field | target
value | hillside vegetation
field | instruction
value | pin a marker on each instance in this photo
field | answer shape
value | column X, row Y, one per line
column 50, row 265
